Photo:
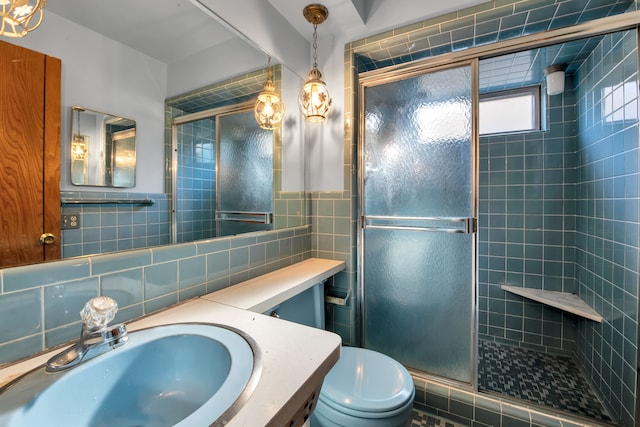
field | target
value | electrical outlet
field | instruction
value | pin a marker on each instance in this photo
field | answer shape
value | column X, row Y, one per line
column 70, row 221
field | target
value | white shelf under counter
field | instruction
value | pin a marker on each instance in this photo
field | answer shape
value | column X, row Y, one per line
column 562, row 300
column 268, row 290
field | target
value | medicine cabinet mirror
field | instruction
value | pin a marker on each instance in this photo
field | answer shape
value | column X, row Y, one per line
column 103, row 149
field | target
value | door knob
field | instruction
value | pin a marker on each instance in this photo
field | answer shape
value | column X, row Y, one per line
column 47, row 238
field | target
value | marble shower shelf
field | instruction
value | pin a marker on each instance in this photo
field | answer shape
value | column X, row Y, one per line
column 562, row 300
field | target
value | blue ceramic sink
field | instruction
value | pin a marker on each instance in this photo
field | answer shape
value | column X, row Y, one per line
column 183, row 374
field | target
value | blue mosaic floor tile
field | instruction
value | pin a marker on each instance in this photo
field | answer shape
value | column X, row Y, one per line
column 423, row 419
column 546, row 379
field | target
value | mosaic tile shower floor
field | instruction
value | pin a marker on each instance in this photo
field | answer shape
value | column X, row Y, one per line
column 550, row 380
column 423, row 419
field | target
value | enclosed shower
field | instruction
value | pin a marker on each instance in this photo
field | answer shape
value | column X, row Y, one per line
column 459, row 222
column 559, row 213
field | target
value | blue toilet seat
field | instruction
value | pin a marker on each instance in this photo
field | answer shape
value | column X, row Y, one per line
column 367, row 383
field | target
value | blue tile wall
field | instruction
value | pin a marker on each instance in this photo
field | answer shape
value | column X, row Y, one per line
column 115, row 227
column 526, row 230
column 607, row 219
column 332, row 225
column 486, row 23
column 40, row 304
column 196, row 181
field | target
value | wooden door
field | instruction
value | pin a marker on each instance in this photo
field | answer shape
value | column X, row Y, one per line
column 29, row 155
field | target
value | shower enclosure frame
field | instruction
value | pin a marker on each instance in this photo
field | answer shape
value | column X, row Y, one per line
column 624, row 22
column 379, row 78
column 190, row 118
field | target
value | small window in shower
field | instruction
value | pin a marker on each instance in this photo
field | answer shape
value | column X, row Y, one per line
column 508, row 111
column 620, row 102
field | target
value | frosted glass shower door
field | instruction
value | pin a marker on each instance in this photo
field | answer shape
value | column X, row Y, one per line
column 418, row 220
column 244, row 175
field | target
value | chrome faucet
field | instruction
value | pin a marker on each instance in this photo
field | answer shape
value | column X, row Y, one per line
column 96, row 337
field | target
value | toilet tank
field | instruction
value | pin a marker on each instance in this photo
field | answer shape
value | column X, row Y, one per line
column 306, row 308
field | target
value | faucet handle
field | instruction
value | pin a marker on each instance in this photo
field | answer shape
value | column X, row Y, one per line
column 98, row 312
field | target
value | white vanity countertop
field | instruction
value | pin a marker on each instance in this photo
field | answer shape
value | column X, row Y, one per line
column 295, row 358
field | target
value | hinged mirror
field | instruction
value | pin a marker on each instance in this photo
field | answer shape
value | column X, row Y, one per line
column 103, row 149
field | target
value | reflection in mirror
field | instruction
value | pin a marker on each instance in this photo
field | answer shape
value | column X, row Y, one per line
column 165, row 72
column 103, row 149
column 201, row 123
column 244, row 174
column 223, row 169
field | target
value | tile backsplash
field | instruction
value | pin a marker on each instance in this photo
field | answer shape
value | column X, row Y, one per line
column 115, row 227
column 40, row 304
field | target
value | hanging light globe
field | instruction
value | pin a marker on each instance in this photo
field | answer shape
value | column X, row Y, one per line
column 18, row 17
column 314, row 98
column 269, row 108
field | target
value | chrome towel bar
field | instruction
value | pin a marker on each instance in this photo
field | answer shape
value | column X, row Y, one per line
column 146, row 202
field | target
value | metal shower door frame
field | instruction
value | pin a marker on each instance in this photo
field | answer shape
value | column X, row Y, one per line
column 469, row 225
column 190, row 118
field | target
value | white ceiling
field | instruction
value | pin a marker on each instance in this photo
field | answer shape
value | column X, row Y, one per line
column 168, row 30
column 171, row 30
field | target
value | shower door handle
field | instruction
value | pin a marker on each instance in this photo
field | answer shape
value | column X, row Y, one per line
column 438, row 224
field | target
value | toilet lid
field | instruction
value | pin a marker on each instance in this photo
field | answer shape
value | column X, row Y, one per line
column 368, row 381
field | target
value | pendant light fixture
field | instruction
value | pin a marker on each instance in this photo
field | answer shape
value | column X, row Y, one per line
column 269, row 108
column 314, row 98
column 20, row 16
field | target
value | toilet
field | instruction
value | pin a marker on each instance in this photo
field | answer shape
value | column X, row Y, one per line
column 364, row 388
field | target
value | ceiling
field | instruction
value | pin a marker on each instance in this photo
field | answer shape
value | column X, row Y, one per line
column 168, row 30
column 527, row 67
column 171, row 30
